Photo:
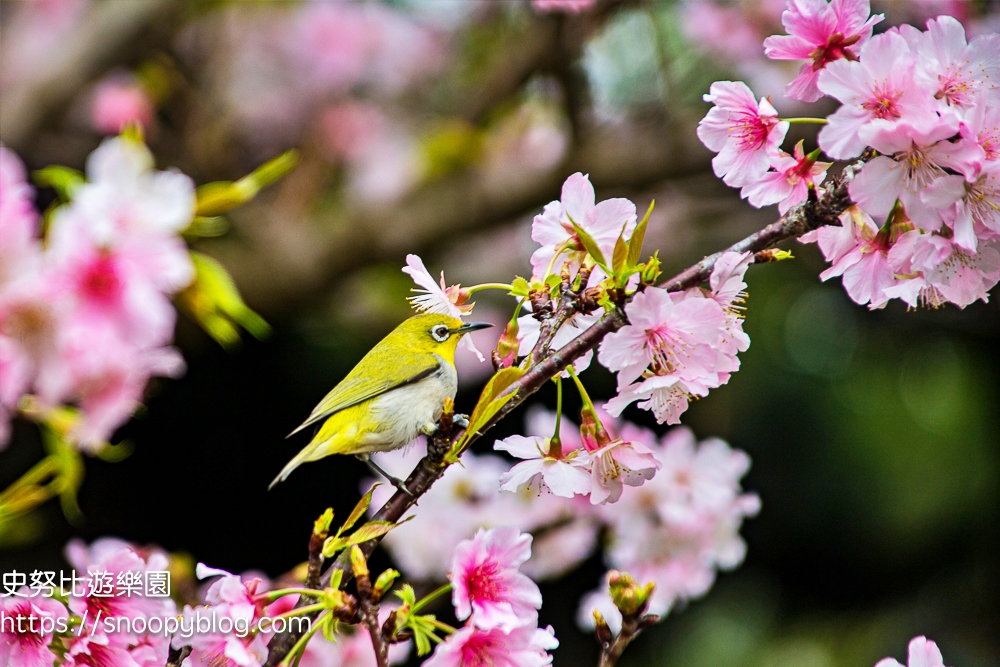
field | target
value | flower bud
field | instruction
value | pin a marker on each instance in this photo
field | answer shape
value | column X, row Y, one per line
column 601, row 629
column 358, row 564
column 628, row 596
column 383, row 584
column 506, row 351
column 592, row 431
column 651, row 271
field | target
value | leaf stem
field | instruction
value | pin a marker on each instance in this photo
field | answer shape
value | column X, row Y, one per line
column 430, row 597
column 806, row 121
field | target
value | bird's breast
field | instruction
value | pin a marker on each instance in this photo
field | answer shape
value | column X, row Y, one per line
column 403, row 412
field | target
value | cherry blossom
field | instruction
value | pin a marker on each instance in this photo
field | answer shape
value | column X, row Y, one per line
column 933, row 270
column 471, row 646
column 681, row 526
column 912, row 159
column 486, row 584
column 744, row 132
column 858, row 251
column 669, row 337
column 954, row 69
column 970, row 209
column 617, row 464
column 788, row 181
column 921, row 652
column 434, row 298
column 26, row 643
column 880, row 87
column 98, row 650
column 117, row 101
column 569, row 6
column 565, row 476
column 553, row 228
column 820, row 32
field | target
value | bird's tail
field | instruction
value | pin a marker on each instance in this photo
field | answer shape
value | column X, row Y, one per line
column 300, row 458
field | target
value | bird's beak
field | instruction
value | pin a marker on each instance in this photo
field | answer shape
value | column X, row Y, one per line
column 472, row 326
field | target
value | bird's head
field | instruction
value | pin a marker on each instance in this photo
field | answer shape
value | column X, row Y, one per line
column 436, row 334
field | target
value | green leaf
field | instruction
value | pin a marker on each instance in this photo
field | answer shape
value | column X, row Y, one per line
column 369, row 531
column 635, row 243
column 590, row 245
column 63, row 180
column 214, row 302
column 520, row 287
column 620, row 254
column 407, row 595
column 207, row 227
column 221, row 196
column 329, row 628
column 488, row 404
column 358, row 511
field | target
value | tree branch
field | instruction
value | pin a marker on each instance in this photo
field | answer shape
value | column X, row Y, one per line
column 824, row 209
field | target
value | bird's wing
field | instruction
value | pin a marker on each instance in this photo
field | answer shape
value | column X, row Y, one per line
column 353, row 390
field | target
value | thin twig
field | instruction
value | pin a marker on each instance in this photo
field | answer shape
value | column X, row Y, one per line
column 824, row 209
column 631, row 628
column 177, row 655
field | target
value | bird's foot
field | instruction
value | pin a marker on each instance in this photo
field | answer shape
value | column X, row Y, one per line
column 395, row 481
column 460, row 420
column 429, row 429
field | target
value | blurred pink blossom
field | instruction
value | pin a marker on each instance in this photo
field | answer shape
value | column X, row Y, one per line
column 348, row 129
column 118, row 100
column 921, row 652
column 569, row 6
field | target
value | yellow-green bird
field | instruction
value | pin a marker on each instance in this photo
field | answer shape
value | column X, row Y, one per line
column 395, row 393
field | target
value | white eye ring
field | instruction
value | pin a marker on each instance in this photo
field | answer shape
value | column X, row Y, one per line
column 440, row 333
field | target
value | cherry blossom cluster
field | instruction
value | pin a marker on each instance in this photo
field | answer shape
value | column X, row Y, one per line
column 82, row 639
column 85, row 312
column 675, row 530
column 921, row 109
column 498, row 604
column 225, row 628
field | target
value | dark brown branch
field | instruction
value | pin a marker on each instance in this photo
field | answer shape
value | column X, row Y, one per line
column 177, row 655
column 815, row 212
column 612, row 650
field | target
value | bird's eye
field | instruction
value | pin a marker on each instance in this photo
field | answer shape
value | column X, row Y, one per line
column 440, row 333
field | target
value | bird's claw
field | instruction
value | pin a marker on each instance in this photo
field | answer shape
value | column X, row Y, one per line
column 461, row 421
column 429, row 429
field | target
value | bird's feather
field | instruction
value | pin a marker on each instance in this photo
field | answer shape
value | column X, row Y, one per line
column 357, row 388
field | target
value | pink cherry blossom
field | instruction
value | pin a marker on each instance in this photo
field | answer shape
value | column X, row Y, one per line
column 933, row 270
column 788, row 181
column 858, row 251
column 569, row 6
column 820, row 32
column 434, row 298
column 921, row 652
column 666, row 396
column 617, row 464
column 553, row 228
column 970, row 209
column 732, row 31
column 744, row 132
column 113, row 561
column 119, row 100
column 350, row 129
column 667, row 337
column 565, row 476
column 882, row 87
column 98, row 650
column 486, row 584
column 18, row 219
column 912, row 158
column 471, row 646
column 954, row 69
column 25, row 643
column 679, row 527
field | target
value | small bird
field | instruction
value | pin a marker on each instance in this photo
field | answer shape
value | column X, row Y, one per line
column 395, row 393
